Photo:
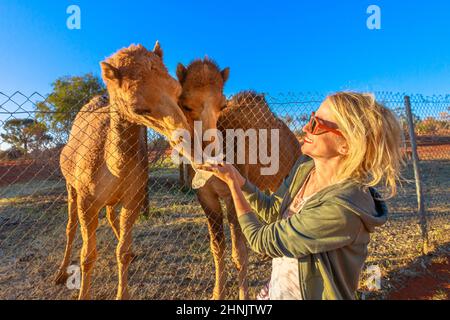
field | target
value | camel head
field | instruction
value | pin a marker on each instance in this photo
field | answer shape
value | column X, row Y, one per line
column 142, row 91
column 202, row 98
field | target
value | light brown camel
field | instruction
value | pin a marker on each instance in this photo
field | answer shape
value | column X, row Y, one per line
column 104, row 162
column 202, row 99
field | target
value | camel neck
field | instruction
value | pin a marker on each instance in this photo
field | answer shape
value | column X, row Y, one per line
column 124, row 141
column 127, row 132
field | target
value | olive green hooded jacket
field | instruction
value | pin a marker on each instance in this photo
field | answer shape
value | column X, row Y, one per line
column 329, row 236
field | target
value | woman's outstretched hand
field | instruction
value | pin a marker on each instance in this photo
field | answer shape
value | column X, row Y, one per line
column 231, row 176
column 225, row 172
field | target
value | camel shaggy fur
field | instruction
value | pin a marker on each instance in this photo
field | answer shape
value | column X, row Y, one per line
column 104, row 162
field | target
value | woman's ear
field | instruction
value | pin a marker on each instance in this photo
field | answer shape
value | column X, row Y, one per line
column 343, row 149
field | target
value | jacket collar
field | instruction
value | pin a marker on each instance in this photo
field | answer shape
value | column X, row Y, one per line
column 302, row 171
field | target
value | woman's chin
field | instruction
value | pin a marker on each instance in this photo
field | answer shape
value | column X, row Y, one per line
column 306, row 151
column 305, row 148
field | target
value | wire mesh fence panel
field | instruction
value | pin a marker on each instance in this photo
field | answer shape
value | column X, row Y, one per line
column 171, row 256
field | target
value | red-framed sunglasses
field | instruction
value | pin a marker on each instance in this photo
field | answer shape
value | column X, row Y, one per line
column 317, row 126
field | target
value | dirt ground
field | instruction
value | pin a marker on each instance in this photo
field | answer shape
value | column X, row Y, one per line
column 172, row 245
column 12, row 172
column 427, row 280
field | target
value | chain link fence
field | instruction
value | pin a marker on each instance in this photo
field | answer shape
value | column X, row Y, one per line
column 170, row 239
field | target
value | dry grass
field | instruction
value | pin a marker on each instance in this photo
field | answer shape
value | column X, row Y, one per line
column 440, row 295
column 172, row 245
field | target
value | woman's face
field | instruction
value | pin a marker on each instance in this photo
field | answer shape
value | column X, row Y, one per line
column 325, row 145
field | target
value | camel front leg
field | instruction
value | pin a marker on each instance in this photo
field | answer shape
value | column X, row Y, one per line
column 124, row 253
column 71, row 229
column 88, row 217
column 239, row 250
column 114, row 222
column 217, row 244
column 211, row 205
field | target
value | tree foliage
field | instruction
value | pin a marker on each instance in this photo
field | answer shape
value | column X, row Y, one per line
column 25, row 135
column 69, row 95
column 433, row 126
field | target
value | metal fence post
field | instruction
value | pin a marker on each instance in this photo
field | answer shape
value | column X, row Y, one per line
column 181, row 174
column 415, row 161
column 184, row 175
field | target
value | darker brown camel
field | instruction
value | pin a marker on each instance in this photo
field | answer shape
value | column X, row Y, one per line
column 202, row 99
column 104, row 162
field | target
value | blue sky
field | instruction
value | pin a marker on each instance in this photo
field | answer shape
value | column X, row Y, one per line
column 270, row 46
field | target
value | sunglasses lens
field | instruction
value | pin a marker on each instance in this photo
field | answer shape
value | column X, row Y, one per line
column 316, row 126
column 313, row 125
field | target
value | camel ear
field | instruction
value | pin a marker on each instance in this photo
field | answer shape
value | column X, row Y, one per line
column 181, row 72
column 225, row 74
column 157, row 50
column 110, row 73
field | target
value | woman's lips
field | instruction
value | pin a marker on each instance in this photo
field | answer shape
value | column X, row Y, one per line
column 307, row 140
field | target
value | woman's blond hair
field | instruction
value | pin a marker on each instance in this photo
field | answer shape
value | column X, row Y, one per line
column 374, row 137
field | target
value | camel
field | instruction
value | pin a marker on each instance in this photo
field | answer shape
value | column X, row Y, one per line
column 104, row 162
column 202, row 99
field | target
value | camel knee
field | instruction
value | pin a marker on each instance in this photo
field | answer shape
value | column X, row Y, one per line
column 217, row 245
column 239, row 252
column 124, row 254
column 124, row 257
column 240, row 258
column 238, row 261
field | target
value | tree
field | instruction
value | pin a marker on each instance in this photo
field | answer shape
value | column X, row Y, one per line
column 287, row 119
column 444, row 116
column 401, row 116
column 431, row 125
column 69, row 95
column 295, row 123
column 11, row 154
column 25, row 135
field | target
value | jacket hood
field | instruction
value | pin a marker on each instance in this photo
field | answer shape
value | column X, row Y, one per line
column 366, row 204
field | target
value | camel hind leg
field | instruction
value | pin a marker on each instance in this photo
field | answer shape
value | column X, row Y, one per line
column 72, row 223
column 113, row 220
column 239, row 249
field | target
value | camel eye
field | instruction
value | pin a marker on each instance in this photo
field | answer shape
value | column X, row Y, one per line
column 188, row 109
column 143, row 112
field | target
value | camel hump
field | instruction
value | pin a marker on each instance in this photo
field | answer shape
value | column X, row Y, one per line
column 247, row 110
column 96, row 103
column 247, row 98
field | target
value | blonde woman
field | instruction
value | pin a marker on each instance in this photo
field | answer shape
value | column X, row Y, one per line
column 316, row 226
